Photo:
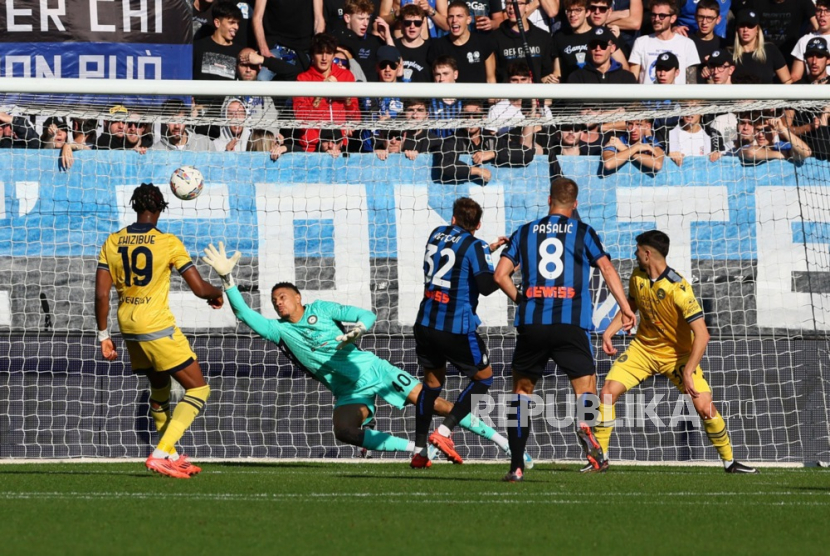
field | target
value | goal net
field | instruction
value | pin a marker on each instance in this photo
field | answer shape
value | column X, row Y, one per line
column 336, row 187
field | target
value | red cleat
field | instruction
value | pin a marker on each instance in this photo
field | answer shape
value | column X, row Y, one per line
column 165, row 466
column 420, row 462
column 590, row 446
column 185, row 466
column 446, row 445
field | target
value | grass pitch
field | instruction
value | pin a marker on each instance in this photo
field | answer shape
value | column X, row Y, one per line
column 369, row 508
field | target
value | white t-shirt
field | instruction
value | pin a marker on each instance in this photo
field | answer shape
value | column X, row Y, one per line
column 690, row 144
column 648, row 48
column 507, row 116
column 801, row 46
column 727, row 126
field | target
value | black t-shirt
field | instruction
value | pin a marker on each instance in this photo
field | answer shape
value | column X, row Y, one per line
column 363, row 49
column 289, row 23
column 509, row 48
column 214, row 62
column 469, row 56
column 764, row 71
column 704, row 50
column 483, row 8
column 615, row 76
column 416, row 69
column 244, row 36
column 783, row 22
column 572, row 51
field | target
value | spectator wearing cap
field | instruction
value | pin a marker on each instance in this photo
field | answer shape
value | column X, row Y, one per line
column 823, row 31
column 56, row 136
column 570, row 49
column 812, row 125
column 719, row 68
column 325, row 109
column 137, row 133
column 331, row 142
column 389, row 68
column 362, row 37
column 413, row 46
column 753, row 55
column 175, row 136
column 112, row 137
column 648, row 48
column 510, row 45
column 600, row 14
column 638, row 146
column 601, row 66
column 708, row 17
column 688, row 22
column 666, row 69
column 816, row 56
column 474, row 54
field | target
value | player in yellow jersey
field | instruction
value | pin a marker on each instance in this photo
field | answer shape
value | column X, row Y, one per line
column 138, row 260
column 671, row 340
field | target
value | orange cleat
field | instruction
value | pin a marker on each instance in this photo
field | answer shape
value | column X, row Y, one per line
column 420, row 462
column 590, row 446
column 185, row 466
column 516, row 476
column 165, row 466
column 446, row 445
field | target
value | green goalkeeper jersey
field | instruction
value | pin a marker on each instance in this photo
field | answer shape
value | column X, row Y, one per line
column 310, row 343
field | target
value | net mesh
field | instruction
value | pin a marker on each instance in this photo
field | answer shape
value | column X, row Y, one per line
column 349, row 224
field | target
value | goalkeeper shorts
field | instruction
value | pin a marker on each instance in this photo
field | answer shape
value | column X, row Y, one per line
column 382, row 379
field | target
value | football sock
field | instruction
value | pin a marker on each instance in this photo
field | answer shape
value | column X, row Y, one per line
column 518, row 432
column 477, row 426
column 719, row 436
column 383, row 442
column 161, row 414
column 603, row 429
column 464, row 405
column 192, row 404
column 424, row 408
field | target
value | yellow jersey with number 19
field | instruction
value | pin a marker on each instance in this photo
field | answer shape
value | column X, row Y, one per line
column 667, row 306
column 140, row 258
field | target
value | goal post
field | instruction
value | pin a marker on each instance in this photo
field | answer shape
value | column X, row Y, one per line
column 751, row 236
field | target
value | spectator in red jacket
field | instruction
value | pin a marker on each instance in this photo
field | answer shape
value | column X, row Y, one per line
column 323, row 48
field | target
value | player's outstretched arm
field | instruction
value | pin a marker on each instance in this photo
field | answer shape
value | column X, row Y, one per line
column 612, row 280
column 347, row 313
column 219, row 261
column 202, row 289
column 103, row 285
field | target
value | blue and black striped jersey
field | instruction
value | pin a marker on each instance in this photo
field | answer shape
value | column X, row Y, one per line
column 454, row 264
column 556, row 254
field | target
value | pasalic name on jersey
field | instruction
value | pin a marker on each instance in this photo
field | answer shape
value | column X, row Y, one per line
column 553, row 228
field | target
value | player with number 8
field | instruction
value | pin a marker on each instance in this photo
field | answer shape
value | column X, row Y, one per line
column 554, row 313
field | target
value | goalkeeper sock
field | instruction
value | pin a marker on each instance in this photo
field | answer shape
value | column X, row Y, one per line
column 383, row 442
column 424, row 408
column 477, row 426
column 518, row 432
column 603, row 429
column 464, row 405
column 719, row 436
column 186, row 411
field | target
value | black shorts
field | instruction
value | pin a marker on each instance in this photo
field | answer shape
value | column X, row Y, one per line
column 568, row 345
column 467, row 352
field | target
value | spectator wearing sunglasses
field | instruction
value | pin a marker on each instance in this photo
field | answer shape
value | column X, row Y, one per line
column 412, row 45
column 626, row 15
column 344, row 58
column 601, row 67
column 388, row 68
column 410, row 142
column 648, row 48
column 362, row 37
column 599, row 15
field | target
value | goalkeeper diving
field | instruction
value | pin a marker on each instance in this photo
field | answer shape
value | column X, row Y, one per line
column 315, row 338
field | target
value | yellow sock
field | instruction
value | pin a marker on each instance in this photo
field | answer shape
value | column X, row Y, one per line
column 160, row 415
column 719, row 436
column 602, row 432
column 186, row 411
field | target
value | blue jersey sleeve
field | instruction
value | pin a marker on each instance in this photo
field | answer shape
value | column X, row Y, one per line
column 593, row 247
column 512, row 250
column 481, row 261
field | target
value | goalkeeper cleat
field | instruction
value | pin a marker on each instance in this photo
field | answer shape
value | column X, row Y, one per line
column 165, row 466
column 446, row 445
column 590, row 446
column 185, row 466
column 432, row 452
column 740, row 468
column 589, row 467
column 420, row 462
column 516, row 476
column 528, row 460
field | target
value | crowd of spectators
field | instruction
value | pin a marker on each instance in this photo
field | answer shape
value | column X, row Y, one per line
column 718, row 42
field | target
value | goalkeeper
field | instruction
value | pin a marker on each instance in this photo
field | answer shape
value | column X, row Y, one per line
column 312, row 337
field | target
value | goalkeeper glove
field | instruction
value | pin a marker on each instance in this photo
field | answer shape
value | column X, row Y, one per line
column 221, row 263
column 351, row 336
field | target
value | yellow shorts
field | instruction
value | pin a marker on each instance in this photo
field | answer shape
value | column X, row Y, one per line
column 636, row 365
column 168, row 354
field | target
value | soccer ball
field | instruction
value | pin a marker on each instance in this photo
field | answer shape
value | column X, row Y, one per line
column 186, row 183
